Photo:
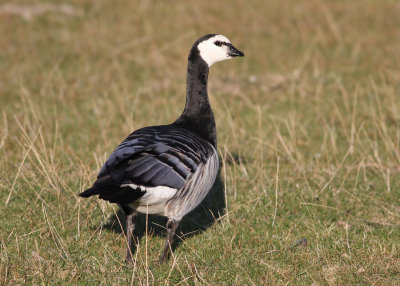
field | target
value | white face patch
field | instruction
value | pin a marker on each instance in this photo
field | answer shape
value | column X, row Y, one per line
column 211, row 53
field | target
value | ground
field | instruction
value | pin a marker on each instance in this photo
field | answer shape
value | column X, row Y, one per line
column 308, row 135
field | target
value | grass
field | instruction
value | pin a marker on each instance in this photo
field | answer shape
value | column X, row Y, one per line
column 308, row 133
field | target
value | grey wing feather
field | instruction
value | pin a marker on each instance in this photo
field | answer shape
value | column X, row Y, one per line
column 196, row 188
column 152, row 156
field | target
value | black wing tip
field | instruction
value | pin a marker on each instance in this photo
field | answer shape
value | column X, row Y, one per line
column 88, row 193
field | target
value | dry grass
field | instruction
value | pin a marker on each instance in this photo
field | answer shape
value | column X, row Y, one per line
column 308, row 130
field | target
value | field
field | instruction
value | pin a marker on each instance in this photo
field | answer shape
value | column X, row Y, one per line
column 308, row 136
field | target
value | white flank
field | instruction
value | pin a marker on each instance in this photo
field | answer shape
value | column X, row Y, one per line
column 154, row 200
column 212, row 53
column 195, row 189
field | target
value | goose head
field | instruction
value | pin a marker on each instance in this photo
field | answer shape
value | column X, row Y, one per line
column 213, row 48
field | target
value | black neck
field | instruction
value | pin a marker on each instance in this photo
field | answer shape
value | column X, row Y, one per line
column 197, row 115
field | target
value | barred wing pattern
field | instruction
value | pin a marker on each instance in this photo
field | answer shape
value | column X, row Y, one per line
column 167, row 156
column 195, row 189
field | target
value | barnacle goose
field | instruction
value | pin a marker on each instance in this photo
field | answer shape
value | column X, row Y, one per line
column 167, row 170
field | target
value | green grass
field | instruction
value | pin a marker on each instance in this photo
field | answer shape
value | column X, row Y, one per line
column 308, row 132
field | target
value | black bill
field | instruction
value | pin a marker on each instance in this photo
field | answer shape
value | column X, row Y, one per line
column 233, row 52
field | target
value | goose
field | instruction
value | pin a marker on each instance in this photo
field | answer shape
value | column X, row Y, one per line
column 167, row 170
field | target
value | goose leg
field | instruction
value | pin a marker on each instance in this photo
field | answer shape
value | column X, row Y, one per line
column 130, row 227
column 172, row 225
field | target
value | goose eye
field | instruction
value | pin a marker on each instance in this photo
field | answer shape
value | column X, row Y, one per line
column 218, row 43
